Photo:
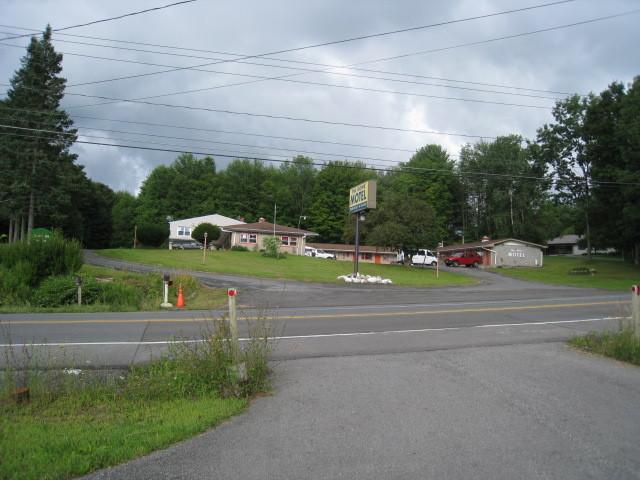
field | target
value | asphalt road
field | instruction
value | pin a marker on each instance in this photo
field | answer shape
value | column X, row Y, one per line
column 511, row 412
column 335, row 319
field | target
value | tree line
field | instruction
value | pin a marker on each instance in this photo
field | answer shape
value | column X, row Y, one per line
column 581, row 174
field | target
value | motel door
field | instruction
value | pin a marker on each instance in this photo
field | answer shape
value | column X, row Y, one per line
column 378, row 258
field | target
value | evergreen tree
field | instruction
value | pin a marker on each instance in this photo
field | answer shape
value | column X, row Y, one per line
column 36, row 152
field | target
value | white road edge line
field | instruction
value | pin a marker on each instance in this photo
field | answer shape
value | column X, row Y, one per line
column 320, row 335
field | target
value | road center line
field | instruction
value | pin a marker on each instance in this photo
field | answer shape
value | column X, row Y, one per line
column 320, row 335
column 314, row 316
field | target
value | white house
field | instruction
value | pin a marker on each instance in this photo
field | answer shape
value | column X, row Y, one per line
column 181, row 229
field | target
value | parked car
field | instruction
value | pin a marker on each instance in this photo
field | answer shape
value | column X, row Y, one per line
column 190, row 245
column 319, row 253
column 424, row 257
column 468, row 259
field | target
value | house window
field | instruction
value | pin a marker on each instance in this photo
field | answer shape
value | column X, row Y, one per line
column 293, row 241
column 365, row 256
column 184, row 231
column 248, row 238
column 285, row 241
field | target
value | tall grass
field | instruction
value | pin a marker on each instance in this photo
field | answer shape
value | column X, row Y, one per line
column 24, row 266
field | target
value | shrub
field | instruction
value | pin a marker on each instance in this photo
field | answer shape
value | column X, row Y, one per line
column 239, row 248
column 152, row 234
column 213, row 232
column 62, row 290
column 272, row 248
column 46, row 257
column 24, row 266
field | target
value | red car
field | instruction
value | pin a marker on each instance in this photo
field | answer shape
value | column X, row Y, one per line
column 468, row 259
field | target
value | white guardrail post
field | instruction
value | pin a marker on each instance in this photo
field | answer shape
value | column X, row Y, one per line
column 635, row 309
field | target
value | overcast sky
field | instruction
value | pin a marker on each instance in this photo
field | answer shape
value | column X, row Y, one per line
column 579, row 59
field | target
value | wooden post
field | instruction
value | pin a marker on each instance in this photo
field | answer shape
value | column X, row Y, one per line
column 240, row 368
column 204, row 250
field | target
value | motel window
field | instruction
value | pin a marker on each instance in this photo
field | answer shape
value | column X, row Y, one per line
column 253, row 238
column 184, row 231
column 365, row 256
column 244, row 238
column 293, row 241
column 285, row 241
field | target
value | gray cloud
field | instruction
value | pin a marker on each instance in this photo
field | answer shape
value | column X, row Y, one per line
column 580, row 59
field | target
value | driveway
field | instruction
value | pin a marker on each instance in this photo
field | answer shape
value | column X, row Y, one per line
column 521, row 411
column 273, row 293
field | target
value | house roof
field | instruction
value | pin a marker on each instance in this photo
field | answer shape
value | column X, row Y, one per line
column 485, row 244
column 341, row 247
column 571, row 239
column 266, row 227
column 214, row 219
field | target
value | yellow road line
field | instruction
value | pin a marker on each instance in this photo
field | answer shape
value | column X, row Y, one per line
column 303, row 317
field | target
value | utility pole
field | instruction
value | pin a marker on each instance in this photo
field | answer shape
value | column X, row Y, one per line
column 135, row 235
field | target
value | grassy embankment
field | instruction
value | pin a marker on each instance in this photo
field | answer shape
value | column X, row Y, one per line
column 292, row 267
column 610, row 273
column 622, row 345
column 133, row 292
column 77, row 422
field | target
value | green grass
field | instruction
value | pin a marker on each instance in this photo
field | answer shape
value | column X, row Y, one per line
column 68, row 438
column 77, row 422
column 623, row 346
column 143, row 293
column 292, row 267
column 610, row 273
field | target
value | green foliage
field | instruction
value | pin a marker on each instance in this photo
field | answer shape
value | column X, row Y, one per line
column 153, row 234
column 272, row 248
column 212, row 231
column 186, row 188
column 402, row 221
column 62, row 290
column 123, row 214
column 623, row 345
column 502, row 205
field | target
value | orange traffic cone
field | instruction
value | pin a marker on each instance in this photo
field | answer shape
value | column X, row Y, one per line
column 180, row 302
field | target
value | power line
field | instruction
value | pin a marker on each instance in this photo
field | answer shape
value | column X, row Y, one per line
column 229, row 132
column 388, row 170
column 264, row 115
column 300, row 62
column 131, row 14
column 292, row 150
column 285, row 78
column 506, row 37
column 335, row 42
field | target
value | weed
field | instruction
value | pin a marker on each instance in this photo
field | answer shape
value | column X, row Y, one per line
column 623, row 345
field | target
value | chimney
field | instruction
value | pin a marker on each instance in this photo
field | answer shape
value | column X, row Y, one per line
column 485, row 239
column 261, row 220
column 241, row 219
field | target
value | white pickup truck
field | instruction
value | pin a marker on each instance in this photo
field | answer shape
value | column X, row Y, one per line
column 318, row 253
column 424, row 257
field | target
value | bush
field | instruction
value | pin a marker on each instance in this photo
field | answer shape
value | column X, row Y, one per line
column 152, row 234
column 239, row 248
column 62, row 290
column 272, row 248
column 212, row 231
column 24, row 266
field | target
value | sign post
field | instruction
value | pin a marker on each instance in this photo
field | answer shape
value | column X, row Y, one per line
column 361, row 197
column 635, row 310
column 166, row 280
column 204, row 250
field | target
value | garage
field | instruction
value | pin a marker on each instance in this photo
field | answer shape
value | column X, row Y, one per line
column 505, row 252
